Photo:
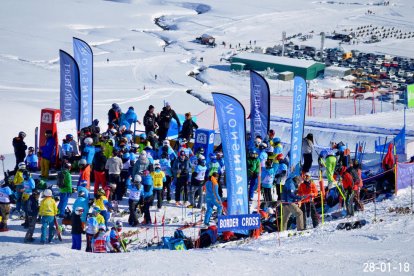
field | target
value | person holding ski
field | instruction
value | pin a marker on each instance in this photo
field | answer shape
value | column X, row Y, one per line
column 212, row 198
column 307, row 150
column 48, row 211
column 77, row 228
column 327, row 160
column 19, row 148
column 290, row 203
column 309, row 191
column 32, row 160
column 348, row 184
column 5, row 193
column 65, row 190
column 32, row 213
column 136, row 200
column 47, row 152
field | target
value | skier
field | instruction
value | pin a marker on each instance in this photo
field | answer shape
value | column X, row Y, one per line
column 269, row 137
column 101, row 243
column 181, row 169
column 183, row 147
column 356, row 170
column 65, row 151
column 5, row 193
column 327, row 159
column 150, row 120
column 48, row 211
column 115, row 237
column 91, row 230
column 166, row 115
column 114, row 167
column 158, row 178
column 307, row 150
column 277, row 146
column 262, row 154
column 114, row 114
column 142, row 164
column 88, row 151
column 308, row 190
column 148, row 195
column 197, row 182
column 348, row 184
column 189, row 125
column 104, row 205
column 32, row 160
column 212, row 198
column 99, row 162
column 136, row 198
column 85, row 172
column 124, row 176
column 82, row 201
column 47, row 153
column 32, row 212
column 18, row 183
column 267, row 179
column 166, row 168
column 75, row 147
column 253, row 165
column 19, row 148
column 65, row 190
column 221, row 172
column 28, row 186
column 290, row 202
column 77, row 228
column 166, row 147
column 213, row 166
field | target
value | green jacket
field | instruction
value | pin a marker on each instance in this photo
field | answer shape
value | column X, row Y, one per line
column 253, row 167
column 67, row 181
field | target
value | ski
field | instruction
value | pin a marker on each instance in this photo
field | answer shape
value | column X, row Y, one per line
column 132, row 233
column 58, row 232
column 351, row 225
column 190, row 225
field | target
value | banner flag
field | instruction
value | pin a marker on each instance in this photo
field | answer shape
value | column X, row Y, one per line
column 259, row 106
column 84, row 57
column 298, row 123
column 232, row 124
column 405, row 175
column 399, row 143
column 69, row 88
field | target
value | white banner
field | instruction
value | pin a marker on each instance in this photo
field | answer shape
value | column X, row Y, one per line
column 65, row 128
column 405, row 175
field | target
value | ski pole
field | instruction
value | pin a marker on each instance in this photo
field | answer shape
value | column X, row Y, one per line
column 277, row 225
column 375, row 204
column 412, row 195
column 281, row 206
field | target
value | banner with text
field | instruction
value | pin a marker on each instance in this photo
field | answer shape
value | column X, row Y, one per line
column 84, row 57
column 259, row 106
column 232, row 124
column 405, row 175
column 298, row 123
column 69, row 88
column 238, row 223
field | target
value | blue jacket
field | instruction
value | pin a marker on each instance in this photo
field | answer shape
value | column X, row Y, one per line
column 268, row 176
column 171, row 153
column 88, row 153
column 29, row 185
column 48, row 149
column 289, row 192
column 129, row 118
column 148, row 185
column 32, row 161
column 136, row 194
column 82, row 202
column 212, row 194
column 165, row 165
column 263, row 158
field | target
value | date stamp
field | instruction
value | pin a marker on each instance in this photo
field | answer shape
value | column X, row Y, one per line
column 387, row 267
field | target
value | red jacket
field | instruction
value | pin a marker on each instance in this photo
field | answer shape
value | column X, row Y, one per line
column 388, row 161
column 307, row 190
column 347, row 181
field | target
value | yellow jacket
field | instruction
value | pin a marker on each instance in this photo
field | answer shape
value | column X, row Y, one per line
column 100, row 219
column 158, row 179
column 100, row 202
column 48, row 207
column 18, row 178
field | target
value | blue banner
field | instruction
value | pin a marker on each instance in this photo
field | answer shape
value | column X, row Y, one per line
column 298, row 123
column 259, row 106
column 232, row 123
column 84, row 57
column 69, row 88
column 399, row 143
column 238, row 223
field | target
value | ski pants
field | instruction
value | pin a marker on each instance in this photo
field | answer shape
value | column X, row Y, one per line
column 100, row 180
column 358, row 204
column 48, row 221
column 349, row 202
column 307, row 162
column 121, row 186
column 106, row 215
column 89, row 238
column 290, row 209
column 167, row 187
column 162, row 133
column 4, row 212
column 194, row 190
column 252, row 186
column 209, row 212
column 76, row 241
column 114, row 179
column 330, row 164
column 147, row 204
column 133, row 217
column 158, row 196
column 31, row 227
column 309, row 207
column 44, row 167
column 267, row 194
column 19, row 199
column 181, row 185
column 63, row 202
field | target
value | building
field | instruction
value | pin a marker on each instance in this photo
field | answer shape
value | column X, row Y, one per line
column 306, row 69
column 340, row 72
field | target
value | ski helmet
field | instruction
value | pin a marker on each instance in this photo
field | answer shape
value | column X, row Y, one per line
column 101, row 192
column 82, row 162
column 276, row 140
column 83, row 183
column 279, row 157
column 69, row 137
column 88, row 141
column 79, row 211
column 137, row 178
column 47, row 192
column 118, row 224
column 263, row 146
column 81, row 193
column 22, row 134
column 213, row 156
column 143, row 136
column 31, row 149
column 21, row 166
column 165, row 143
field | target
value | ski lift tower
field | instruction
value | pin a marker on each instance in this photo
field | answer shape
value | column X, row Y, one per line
column 322, row 44
column 283, row 43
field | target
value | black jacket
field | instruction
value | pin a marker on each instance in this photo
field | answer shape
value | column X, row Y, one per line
column 149, row 121
column 19, row 147
column 99, row 161
column 32, row 206
column 187, row 131
column 76, row 224
column 166, row 116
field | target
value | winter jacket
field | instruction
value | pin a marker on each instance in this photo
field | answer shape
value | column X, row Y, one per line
column 181, row 168
column 48, row 207
column 200, row 172
column 66, row 150
column 166, row 116
column 108, row 150
column 263, row 158
column 67, row 182
column 148, row 184
column 165, row 165
column 19, row 147
column 212, row 194
column 278, row 149
column 158, row 178
column 267, row 177
column 149, row 121
column 113, row 115
column 253, row 167
column 76, row 223
column 188, row 129
column 92, row 225
column 129, row 119
column 5, row 193
column 308, row 190
column 82, row 202
column 347, row 181
column 307, row 146
column 289, row 192
column 171, row 153
column 102, row 243
column 32, row 161
column 136, row 194
column 142, row 164
column 18, row 178
column 102, row 202
column 32, row 207
column 48, row 149
column 213, row 167
column 388, row 161
column 28, row 186
column 75, row 147
column 99, row 162
column 85, row 174
column 114, row 165
column 88, row 153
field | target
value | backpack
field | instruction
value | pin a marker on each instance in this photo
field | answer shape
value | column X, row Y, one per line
column 333, row 197
column 60, row 179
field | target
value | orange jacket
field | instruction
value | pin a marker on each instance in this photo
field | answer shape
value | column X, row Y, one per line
column 347, row 181
column 85, row 174
column 308, row 190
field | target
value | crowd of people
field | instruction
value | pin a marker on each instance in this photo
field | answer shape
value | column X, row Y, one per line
column 152, row 168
